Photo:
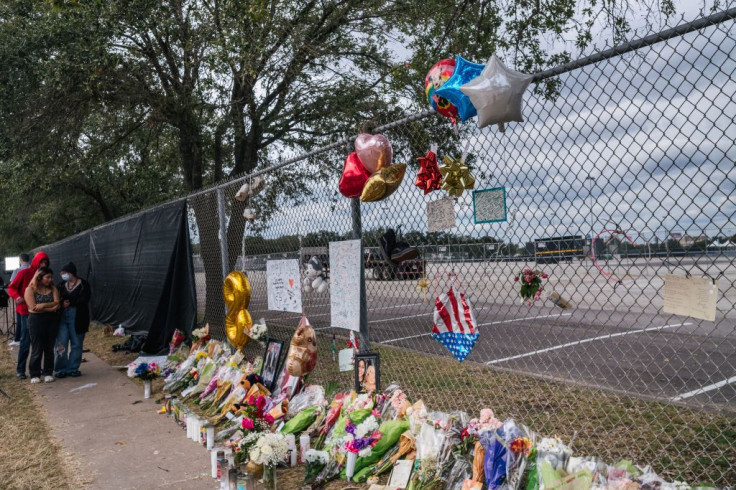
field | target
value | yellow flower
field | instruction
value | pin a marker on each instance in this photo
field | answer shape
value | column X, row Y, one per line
column 200, row 355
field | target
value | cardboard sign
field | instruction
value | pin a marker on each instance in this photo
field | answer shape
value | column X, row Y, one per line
column 345, row 359
column 401, row 474
column 284, row 285
column 345, row 284
column 690, row 296
column 441, row 214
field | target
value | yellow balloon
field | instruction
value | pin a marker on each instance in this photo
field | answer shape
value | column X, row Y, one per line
column 236, row 293
column 383, row 183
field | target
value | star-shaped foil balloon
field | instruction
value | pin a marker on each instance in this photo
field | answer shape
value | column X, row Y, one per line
column 428, row 178
column 456, row 176
column 465, row 71
column 497, row 93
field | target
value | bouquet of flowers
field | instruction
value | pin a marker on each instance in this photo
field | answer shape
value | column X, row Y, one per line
column 269, row 449
column 362, row 437
column 144, row 370
column 316, row 461
column 486, row 421
column 259, row 331
column 254, row 423
column 531, row 285
column 176, row 340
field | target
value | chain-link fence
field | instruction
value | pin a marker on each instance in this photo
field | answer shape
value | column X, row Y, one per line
column 633, row 157
column 623, row 175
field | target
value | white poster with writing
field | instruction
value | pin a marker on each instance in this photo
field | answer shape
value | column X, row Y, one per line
column 345, row 284
column 441, row 214
column 284, row 285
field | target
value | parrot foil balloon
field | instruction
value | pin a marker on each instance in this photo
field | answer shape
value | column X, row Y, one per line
column 436, row 77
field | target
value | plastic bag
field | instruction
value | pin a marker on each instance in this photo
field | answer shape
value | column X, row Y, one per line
column 461, row 471
column 119, row 332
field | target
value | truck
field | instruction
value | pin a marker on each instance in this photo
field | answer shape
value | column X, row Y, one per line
column 383, row 270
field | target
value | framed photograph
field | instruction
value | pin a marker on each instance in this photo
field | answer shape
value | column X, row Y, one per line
column 271, row 362
column 367, row 373
column 489, row 205
column 287, row 384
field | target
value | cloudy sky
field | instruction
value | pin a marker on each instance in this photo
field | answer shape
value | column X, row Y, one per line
column 655, row 130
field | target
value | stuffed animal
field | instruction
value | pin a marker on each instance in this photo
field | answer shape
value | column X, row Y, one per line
column 302, row 357
column 316, row 277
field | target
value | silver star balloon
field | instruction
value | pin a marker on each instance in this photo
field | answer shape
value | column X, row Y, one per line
column 497, row 93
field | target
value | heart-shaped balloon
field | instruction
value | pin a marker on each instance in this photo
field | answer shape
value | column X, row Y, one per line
column 354, row 176
column 374, row 150
column 383, row 183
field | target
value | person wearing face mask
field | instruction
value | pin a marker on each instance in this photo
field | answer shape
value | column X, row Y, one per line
column 42, row 300
column 74, row 294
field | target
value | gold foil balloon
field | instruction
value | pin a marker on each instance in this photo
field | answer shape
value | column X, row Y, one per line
column 383, row 183
column 302, row 357
column 456, row 176
column 236, row 292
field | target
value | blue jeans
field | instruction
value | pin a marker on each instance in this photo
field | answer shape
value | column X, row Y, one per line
column 25, row 343
column 67, row 334
column 17, row 327
column 75, row 355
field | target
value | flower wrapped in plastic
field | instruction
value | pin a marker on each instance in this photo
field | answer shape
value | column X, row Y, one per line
column 333, row 414
column 302, row 420
column 144, row 370
column 269, row 450
column 206, row 373
column 316, row 462
column 312, row 395
column 417, row 416
column 176, row 340
column 390, row 434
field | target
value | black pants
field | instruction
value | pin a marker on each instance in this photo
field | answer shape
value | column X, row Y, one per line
column 42, row 328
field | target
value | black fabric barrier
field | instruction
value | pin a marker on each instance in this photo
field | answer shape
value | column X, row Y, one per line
column 140, row 270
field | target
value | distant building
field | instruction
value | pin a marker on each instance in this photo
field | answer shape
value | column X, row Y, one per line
column 688, row 241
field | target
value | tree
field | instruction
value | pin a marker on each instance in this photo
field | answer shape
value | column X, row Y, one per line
column 229, row 85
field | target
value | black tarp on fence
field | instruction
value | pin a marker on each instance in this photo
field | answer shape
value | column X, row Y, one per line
column 141, row 272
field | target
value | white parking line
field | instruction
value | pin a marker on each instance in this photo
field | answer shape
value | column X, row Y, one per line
column 585, row 341
column 396, row 306
column 400, row 318
column 526, row 318
column 705, row 389
column 481, row 325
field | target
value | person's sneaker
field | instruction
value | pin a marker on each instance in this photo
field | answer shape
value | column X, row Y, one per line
column 388, row 240
column 60, row 375
column 35, row 380
column 21, row 376
column 48, row 379
column 13, row 343
column 402, row 252
column 75, row 374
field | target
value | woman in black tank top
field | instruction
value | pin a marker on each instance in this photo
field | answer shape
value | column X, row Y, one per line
column 42, row 299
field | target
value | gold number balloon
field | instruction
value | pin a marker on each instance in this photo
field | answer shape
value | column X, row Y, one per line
column 236, row 292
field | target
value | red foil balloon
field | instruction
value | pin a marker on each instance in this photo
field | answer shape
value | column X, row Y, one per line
column 429, row 178
column 354, row 176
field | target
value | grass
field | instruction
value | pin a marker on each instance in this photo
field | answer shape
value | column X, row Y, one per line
column 680, row 443
column 30, row 457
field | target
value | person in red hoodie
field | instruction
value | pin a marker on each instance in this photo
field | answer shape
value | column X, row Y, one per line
column 17, row 290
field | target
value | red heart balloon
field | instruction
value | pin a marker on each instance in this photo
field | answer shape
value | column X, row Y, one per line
column 354, row 176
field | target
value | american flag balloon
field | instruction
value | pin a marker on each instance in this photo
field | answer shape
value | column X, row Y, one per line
column 454, row 324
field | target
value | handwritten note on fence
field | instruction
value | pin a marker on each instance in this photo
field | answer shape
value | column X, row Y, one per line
column 284, row 285
column 345, row 284
column 489, row 205
column 690, row 296
column 440, row 214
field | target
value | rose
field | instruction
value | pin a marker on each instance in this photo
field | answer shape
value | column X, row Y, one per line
column 260, row 402
column 268, row 418
column 247, row 424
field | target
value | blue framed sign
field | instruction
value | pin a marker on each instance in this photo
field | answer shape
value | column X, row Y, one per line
column 489, row 205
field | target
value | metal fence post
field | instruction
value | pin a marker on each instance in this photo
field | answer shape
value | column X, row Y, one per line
column 365, row 342
column 223, row 232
